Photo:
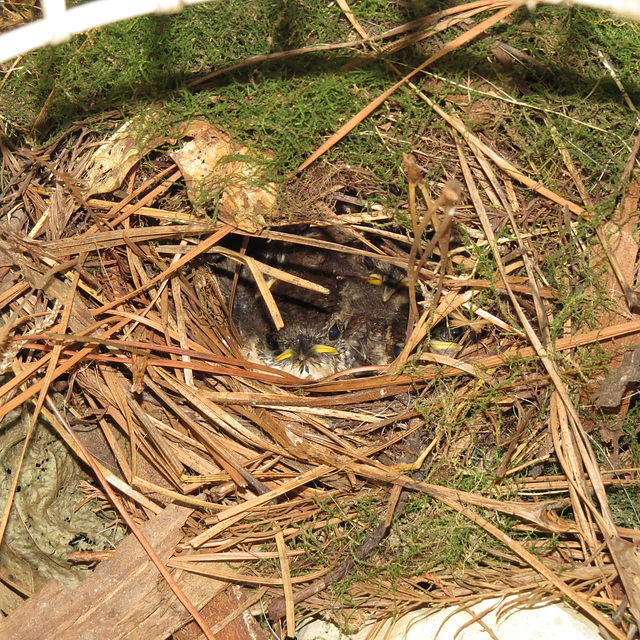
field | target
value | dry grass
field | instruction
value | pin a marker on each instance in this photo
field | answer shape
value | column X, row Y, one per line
column 297, row 485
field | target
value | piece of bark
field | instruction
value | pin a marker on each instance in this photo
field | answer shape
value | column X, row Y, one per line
column 125, row 597
column 610, row 392
column 628, row 564
column 228, row 603
column 621, row 232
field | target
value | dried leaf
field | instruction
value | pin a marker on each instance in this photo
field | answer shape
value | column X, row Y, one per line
column 112, row 160
column 211, row 166
column 610, row 392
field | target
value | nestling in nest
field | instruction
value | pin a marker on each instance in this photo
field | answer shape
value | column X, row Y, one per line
column 361, row 321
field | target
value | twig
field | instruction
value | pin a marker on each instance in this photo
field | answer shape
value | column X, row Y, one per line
column 372, row 106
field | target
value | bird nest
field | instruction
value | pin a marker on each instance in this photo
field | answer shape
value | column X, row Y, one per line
column 409, row 469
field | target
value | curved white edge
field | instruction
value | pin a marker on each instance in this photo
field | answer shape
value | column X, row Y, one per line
column 59, row 25
column 537, row 622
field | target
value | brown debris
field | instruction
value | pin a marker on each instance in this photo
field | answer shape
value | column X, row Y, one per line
column 123, row 597
column 210, row 166
column 288, row 485
column 228, row 617
column 618, row 382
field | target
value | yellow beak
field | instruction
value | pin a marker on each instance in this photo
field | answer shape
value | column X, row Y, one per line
column 323, row 348
column 390, row 289
column 286, row 354
column 315, row 349
column 445, row 348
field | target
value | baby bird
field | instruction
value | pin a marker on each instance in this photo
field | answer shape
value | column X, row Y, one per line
column 356, row 324
column 306, row 348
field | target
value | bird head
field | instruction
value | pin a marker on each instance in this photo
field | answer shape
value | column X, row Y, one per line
column 304, row 350
column 390, row 278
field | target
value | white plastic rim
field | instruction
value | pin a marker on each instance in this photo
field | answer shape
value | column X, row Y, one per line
column 60, row 23
column 539, row 622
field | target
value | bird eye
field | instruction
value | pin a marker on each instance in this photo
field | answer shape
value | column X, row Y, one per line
column 397, row 350
column 272, row 341
column 368, row 262
column 456, row 333
column 334, row 332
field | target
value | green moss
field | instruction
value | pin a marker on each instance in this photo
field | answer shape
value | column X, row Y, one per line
column 292, row 106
